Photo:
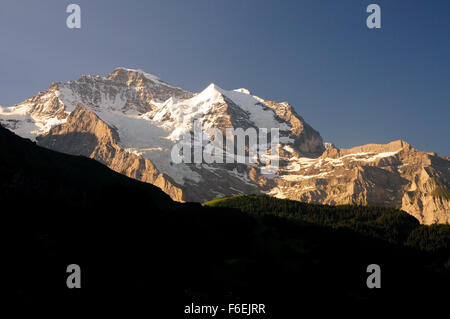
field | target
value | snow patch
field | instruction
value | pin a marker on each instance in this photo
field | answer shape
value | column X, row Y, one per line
column 242, row 176
column 294, row 178
column 278, row 192
column 242, row 90
column 260, row 115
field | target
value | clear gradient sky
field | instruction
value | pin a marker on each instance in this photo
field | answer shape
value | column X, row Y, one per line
column 354, row 85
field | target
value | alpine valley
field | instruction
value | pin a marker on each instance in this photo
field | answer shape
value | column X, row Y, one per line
column 130, row 120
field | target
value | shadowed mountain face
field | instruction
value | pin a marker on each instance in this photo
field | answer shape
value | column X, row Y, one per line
column 143, row 253
column 130, row 121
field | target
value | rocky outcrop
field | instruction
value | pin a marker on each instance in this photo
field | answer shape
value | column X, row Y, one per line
column 394, row 175
column 306, row 140
column 86, row 134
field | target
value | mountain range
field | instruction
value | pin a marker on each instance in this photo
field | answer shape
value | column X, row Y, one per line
column 130, row 120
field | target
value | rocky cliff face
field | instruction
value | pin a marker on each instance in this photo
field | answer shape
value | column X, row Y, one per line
column 394, row 174
column 84, row 133
column 131, row 120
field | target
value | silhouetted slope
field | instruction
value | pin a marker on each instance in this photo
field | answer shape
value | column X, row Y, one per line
column 60, row 209
column 30, row 170
column 140, row 252
column 389, row 224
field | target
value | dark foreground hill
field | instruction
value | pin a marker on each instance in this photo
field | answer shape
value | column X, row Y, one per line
column 389, row 224
column 140, row 252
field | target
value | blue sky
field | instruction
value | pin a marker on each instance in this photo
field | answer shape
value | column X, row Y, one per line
column 353, row 84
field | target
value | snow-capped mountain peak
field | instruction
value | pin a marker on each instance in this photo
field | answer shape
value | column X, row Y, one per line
column 131, row 120
column 211, row 93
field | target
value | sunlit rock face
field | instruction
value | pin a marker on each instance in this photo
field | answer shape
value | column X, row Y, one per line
column 130, row 121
